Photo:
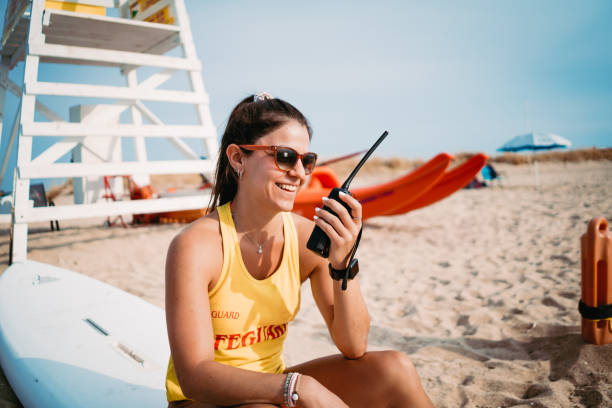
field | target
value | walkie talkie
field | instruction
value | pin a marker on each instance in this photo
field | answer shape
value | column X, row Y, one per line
column 319, row 241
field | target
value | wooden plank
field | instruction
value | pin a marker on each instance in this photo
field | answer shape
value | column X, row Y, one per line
column 64, row 27
column 77, row 129
column 58, row 170
column 102, row 3
column 113, row 92
column 74, row 53
column 40, row 107
column 66, row 212
column 164, row 46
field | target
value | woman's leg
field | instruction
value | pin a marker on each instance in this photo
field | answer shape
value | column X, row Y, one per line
column 379, row 379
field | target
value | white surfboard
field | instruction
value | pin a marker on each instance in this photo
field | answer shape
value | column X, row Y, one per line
column 67, row 340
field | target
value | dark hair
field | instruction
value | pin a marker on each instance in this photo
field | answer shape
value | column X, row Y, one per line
column 250, row 120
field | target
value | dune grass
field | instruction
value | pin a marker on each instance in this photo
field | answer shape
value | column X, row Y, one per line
column 378, row 164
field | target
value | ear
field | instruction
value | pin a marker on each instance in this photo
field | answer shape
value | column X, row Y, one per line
column 235, row 156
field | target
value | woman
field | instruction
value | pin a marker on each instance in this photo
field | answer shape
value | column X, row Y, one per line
column 233, row 283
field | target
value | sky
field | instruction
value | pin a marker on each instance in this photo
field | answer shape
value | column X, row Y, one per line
column 441, row 76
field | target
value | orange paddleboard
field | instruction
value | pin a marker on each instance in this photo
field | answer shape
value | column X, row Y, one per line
column 452, row 181
column 376, row 200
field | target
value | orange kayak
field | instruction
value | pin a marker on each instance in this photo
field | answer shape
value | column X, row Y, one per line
column 378, row 199
column 181, row 217
column 452, row 181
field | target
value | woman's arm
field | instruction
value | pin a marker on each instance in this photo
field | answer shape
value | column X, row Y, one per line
column 193, row 264
column 344, row 312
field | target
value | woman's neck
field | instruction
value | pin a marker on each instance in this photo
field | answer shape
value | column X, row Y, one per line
column 255, row 220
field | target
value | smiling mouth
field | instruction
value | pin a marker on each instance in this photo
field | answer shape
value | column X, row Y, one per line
column 287, row 187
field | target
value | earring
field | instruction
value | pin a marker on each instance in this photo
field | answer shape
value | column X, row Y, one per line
column 239, row 174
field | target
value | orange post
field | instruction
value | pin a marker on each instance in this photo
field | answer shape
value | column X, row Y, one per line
column 596, row 299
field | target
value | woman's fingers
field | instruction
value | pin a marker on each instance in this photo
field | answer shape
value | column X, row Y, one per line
column 352, row 220
column 342, row 228
column 353, row 203
column 322, row 221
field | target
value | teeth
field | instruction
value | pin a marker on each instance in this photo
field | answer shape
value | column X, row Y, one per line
column 287, row 187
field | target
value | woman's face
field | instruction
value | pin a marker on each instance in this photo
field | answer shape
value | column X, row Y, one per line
column 267, row 185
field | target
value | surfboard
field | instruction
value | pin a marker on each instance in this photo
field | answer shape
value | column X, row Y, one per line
column 67, row 340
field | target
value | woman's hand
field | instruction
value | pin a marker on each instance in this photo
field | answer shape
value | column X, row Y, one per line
column 314, row 395
column 342, row 230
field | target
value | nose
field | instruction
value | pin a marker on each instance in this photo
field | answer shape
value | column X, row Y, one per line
column 298, row 171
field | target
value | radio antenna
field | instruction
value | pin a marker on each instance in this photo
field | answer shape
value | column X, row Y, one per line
column 346, row 184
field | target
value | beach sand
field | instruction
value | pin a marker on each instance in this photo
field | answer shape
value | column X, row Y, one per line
column 480, row 289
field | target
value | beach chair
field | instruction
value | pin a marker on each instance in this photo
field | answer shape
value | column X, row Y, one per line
column 109, row 195
column 141, row 189
column 39, row 196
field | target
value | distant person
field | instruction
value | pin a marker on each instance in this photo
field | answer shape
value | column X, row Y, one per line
column 233, row 282
column 489, row 173
column 475, row 183
column 492, row 174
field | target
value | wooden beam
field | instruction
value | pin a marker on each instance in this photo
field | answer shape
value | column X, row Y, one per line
column 59, row 170
column 40, row 107
column 75, row 53
column 113, row 92
column 102, row 209
column 78, row 129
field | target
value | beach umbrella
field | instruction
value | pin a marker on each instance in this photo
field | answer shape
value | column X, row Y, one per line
column 534, row 142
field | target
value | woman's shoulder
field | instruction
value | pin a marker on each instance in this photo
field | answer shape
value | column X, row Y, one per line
column 199, row 241
column 204, row 228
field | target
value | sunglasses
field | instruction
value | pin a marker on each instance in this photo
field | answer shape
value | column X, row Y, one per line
column 286, row 158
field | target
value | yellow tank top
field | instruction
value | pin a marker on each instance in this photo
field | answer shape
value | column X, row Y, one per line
column 250, row 316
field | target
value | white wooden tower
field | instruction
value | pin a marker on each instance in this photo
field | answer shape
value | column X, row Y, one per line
column 40, row 31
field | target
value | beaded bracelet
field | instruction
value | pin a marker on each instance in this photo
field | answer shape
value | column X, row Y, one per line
column 289, row 391
column 286, row 388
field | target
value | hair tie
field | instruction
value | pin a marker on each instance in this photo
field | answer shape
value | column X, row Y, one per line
column 262, row 96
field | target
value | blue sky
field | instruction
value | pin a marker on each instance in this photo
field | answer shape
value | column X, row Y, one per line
column 440, row 76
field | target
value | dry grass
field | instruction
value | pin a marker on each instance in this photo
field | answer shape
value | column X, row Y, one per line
column 164, row 182
column 63, row 189
column 377, row 164
column 579, row 155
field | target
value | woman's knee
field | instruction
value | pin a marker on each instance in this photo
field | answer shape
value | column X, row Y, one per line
column 395, row 368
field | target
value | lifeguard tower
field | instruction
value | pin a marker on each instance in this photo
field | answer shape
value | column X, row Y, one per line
column 124, row 34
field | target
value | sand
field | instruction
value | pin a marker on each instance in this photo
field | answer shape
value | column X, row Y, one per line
column 480, row 289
